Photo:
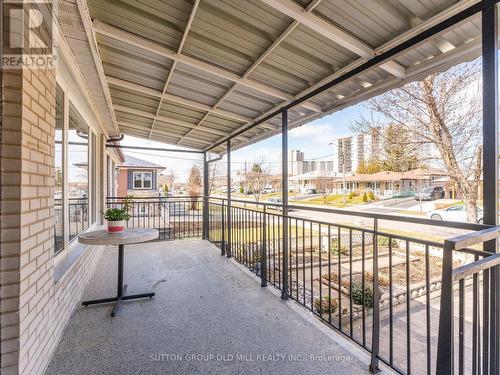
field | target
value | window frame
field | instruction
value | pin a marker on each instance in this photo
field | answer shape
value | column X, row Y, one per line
column 64, row 163
column 142, row 180
column 92, row 173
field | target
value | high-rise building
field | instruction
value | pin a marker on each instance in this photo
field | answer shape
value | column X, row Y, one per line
column 297, row 164
column 350, row 152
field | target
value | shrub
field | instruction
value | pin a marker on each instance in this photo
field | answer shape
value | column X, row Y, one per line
column 326, row 305
column 358, row 294
column 351, row 195
column 334, row 247
column 383, row 280
column 384, row 242
column 371, row 196
column 365, row 197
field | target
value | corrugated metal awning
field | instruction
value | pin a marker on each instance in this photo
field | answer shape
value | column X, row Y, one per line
column 190, row 73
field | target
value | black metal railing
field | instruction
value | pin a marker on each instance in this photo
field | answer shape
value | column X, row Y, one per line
column 473, row 347
column 78, row 216
column 174, row 217
column 381, row 289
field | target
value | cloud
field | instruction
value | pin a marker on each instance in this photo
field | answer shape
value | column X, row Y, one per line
column 316, row 133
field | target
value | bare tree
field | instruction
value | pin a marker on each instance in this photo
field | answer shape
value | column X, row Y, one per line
column 215, row 170
column 398, row 152
column 194, row 185
column 257, row 178
column 172, row 180
column 443, row 109
column 323, row 184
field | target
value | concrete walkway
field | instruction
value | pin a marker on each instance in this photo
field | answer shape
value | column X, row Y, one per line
column 209, row 316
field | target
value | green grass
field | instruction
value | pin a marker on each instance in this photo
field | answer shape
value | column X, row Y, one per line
column 255, row 234
column 336, row 200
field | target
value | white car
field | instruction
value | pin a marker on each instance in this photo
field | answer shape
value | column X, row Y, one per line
column 275, row 201
column 269, row 191
column 454, row 213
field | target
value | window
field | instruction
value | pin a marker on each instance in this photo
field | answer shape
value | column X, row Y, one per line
column 59, row 173
column 78, row 173
column 143, row 180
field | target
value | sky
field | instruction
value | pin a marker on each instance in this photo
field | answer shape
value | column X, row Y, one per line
column 312, row 138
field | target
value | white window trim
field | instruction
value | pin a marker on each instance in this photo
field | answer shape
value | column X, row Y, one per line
column 142, row 173
column 70, row 97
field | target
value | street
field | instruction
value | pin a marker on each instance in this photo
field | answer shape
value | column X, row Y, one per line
column 400, row 207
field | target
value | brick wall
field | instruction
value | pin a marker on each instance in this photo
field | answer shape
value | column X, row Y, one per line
column 34, row 309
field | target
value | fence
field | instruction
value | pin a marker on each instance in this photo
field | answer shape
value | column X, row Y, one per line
column 173, row 217
column 392, row 294
column 78, row 216
column 476, row 339
column 379, row 289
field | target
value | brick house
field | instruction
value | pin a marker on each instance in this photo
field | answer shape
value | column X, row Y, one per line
column 138, row 177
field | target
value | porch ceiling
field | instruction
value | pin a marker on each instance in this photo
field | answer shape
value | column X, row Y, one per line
column 191, row 73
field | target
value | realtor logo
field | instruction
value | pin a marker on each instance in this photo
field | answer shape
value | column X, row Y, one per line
column 27, row 34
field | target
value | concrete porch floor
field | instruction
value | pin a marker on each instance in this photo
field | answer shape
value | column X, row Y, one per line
column 205, row 305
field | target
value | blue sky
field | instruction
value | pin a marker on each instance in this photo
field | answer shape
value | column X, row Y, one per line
column 311, row 138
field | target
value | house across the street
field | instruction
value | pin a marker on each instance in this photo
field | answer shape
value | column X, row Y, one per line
column 387, row 184
column 138, row 177
column 384, row 184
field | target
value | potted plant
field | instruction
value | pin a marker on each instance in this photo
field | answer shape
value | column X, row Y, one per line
column 117, row 217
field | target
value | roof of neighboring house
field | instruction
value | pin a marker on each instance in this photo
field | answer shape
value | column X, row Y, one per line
column 315, row 174
column 131, row 162
column 415, row 174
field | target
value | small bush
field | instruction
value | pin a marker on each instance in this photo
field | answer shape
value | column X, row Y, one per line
column 365, row 197
column 358, row 293
column 351, row 195
column 334, row 247
column 384, row 242
column 371, row 196
column 326, row 305
column 383, row 280
column 241, row 189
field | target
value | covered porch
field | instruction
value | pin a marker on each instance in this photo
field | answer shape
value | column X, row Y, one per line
column 208, row 316
column 207, row 78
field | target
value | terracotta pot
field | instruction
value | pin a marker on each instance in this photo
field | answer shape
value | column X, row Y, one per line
column 116, row 226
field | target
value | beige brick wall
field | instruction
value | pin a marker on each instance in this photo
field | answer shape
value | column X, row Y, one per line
column 34, row 309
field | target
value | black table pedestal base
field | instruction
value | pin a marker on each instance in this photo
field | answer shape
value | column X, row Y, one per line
column 122, row 289
column 117, row 299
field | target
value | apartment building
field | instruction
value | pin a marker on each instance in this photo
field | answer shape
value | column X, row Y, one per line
column 349, row 152
column 297, row 165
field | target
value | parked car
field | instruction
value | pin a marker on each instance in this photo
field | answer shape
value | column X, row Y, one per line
column 430, row 193
column 454, row 213
column 312, row 191
column 275, row 201
column 269, row 191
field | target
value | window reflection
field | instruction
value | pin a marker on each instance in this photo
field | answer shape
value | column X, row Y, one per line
column 59, row 175
column 78, row 173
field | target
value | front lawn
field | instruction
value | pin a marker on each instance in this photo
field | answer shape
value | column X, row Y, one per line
column 335, row 200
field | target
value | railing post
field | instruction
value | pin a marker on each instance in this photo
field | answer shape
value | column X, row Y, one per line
column 228, row 245
column 263, row 251
column 223, row 230
column 489, row 25
column 284, row 211
column 205, row 231
column 445, row 351
column 376, row 303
